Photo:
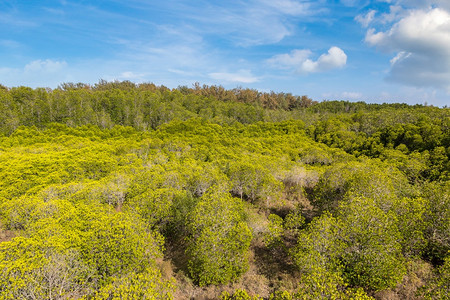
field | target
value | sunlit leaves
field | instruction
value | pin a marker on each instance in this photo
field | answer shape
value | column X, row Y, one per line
column 219, row 239
column 87, row 206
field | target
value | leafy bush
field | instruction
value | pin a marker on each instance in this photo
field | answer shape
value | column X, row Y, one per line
column 219, row 239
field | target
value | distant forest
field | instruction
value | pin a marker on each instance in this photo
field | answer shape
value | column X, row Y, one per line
column 120, row 190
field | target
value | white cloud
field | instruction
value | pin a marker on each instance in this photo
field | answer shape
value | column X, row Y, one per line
column 420, row 31
column 299, row 61
column 421, row 41
column 290, row 60
column 242, row 76
column 335, row 58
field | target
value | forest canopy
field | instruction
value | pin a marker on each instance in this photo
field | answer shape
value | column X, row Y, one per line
column 122, row 190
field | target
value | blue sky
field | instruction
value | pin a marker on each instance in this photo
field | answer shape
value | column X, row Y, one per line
column 375, row 51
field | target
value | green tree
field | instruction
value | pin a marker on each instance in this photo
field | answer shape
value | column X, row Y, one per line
column 148, row 284
column 219, row 239
column 372, row 258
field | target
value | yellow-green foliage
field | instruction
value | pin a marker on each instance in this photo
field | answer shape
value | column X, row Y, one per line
column 144, row 285
column 361, row 247
column 71, row 251
column 219, row 239
column 372, row 258
column 275, row 232
column 90, row 207
column 239, row 295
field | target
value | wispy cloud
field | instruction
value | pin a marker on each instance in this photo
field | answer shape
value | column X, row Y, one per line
column 352, row 95
column 157, row 38
column 366, row 19
column 130, row 75
column 178, row 42
column 44, row 66
column 41, row 73
column 12, row 20
column 242, row 76
column 344, row 96
column 248, row 23
column 10, row 44
column 290, row 7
